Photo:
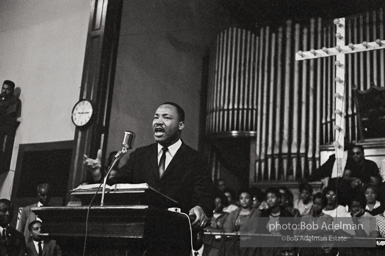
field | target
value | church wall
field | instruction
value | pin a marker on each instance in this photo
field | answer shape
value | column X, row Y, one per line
column 161, row 47
column 42, row 51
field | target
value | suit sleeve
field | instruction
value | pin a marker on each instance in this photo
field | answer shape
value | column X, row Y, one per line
column 125, row 174
column 203, row 190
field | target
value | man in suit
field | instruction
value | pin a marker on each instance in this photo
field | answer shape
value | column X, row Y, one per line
column 169, row 166
column 200, row 248
column 11, row 241
column 27, row 216
column 39, row 246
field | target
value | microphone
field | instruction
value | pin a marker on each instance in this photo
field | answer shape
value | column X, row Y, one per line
column 128, row 141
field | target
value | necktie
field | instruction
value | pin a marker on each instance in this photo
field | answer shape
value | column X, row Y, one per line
column 196, row 253
column 162, row 162
column 40, row 249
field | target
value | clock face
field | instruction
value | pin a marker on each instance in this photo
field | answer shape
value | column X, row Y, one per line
column 82, row 113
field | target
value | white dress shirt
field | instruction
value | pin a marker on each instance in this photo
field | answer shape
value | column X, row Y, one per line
column 170, row 152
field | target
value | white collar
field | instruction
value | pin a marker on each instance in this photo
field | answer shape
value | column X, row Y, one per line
column 1, row 230
column 376, row 205
column 200, row 251
column 39, row 204
column 171, row 149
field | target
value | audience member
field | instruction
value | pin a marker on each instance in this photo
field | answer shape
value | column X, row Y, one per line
column 372, row 206
column 346, row 187
column 219, row 216
column 362, row 168
column 12, row 242
column 27, row 216
column 10, row 117
column 229, row 193
column 304, row 203
column 220, row 185
column 39, row 246
column 243, row 220
column 271, row 216
column 287, row 199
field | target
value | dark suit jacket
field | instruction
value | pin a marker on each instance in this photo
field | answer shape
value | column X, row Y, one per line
column 50, row 248
column 27, row 216
column 14, row 244
column 186, row 179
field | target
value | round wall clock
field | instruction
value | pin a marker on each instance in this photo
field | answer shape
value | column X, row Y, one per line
column 82, row 113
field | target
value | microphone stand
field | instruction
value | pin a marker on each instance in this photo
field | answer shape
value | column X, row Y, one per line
column 116, row 159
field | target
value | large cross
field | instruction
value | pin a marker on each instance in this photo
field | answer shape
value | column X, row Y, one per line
column 339, row 51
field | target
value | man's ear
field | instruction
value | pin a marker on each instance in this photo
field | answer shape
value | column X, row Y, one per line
column 181, row 125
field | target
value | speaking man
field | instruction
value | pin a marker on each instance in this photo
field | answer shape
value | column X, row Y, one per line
column 168, row 165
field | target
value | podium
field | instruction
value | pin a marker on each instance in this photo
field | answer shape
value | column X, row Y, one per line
column 117, row 229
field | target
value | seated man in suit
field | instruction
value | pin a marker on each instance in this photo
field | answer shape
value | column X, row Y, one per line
column 38, row 245
column 27, row 216
column 200, row 248
column 11, row 241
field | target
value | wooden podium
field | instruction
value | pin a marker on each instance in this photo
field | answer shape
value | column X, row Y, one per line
column 117, row 229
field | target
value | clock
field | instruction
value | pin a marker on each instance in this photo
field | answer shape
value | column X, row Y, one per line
column 82, row 113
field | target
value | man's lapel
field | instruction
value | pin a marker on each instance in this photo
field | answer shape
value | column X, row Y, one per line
column 176, row 160
column 45, row 247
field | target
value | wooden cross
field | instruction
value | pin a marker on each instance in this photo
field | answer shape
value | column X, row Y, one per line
column 339, row 51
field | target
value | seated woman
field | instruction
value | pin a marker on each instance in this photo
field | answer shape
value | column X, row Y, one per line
column 243, row 220
column 372, row 206
column 304, row 203
column 335, row 210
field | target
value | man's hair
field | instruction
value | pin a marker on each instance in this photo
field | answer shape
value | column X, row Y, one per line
column 356, row 146
column 42, row 185
column 10, row 83
column 30, row 225
column 6, row 201
column 179, row 109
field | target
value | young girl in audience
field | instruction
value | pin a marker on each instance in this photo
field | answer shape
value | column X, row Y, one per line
column 304, row 203
column 373, row 206
column 287, row 199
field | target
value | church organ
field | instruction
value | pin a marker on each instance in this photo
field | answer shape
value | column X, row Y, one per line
column 257, row 88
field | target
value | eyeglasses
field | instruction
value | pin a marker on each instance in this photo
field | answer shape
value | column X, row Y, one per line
column 331, row 195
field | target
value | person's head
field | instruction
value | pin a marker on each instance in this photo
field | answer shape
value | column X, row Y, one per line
column 286, row 196
column 8, row 88
column 305, row 192
column 273, row 197
column 245, row 200
column 330, row 196
column 220, row 185
column 6, row 212
column 357, row 204
column 34, row 230
column 329, row 249
column 370, row 192
column 318, row 203
column 229, row 193
column 220, row 202
column 43, row 193
column 355, row 183
column 357, row 153
column 375, row 180
column 289, row 251
column 168, row 123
